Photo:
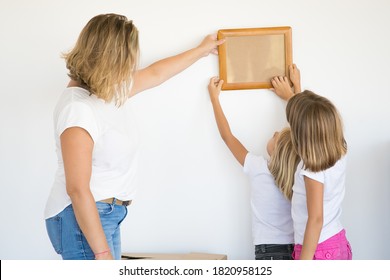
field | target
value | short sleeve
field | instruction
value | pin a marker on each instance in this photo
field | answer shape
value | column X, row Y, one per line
column 77, row 114
column 254, row 165
column 317, row 176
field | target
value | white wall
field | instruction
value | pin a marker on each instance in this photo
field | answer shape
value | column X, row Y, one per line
column 193, row 195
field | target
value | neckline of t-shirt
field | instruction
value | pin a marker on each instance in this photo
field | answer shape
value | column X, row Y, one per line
column 88, row 92
column 79, row 88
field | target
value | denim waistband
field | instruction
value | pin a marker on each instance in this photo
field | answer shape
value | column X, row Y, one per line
column 274, row 248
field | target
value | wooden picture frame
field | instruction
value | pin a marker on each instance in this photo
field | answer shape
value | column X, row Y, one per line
column 250, row 57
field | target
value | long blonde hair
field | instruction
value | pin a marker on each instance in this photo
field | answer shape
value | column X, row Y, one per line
column 105, row 57
column 316, row 130
column 283, row 162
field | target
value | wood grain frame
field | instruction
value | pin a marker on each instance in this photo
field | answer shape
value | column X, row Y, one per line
column 250, row 57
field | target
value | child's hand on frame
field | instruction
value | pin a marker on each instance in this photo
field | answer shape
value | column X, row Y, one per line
column 295, row 77
column 282, row 87
column 214, row 87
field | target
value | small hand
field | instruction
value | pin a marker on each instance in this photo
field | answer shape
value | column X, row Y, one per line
column 214, row 87
column 295, row 77
column 282, row 87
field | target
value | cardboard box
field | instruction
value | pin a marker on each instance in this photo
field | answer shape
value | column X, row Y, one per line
column 162, row 256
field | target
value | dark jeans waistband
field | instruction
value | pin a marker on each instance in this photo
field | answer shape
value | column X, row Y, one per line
column 273, row 248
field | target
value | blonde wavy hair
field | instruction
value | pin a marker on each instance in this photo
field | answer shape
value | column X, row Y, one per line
column 283, row 163
column 316, row 130
column 105, row 57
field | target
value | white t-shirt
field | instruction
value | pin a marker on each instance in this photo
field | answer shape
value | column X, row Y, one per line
column 334, row 189
column 115, row 152
column 271, row 211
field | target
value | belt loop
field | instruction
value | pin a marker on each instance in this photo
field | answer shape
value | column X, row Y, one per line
column 262, row 247
column 114, row 201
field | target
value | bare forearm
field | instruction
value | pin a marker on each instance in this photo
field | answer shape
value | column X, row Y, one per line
column 164, row 69
column 234, row 145
column 88, row 220
column 173, row 65
column 311, row 238
column 222, row 123
column 170, row 66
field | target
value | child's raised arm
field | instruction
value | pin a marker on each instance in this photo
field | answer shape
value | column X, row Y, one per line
column 235, row 146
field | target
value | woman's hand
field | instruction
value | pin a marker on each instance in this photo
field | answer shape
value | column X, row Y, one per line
column 210, row 44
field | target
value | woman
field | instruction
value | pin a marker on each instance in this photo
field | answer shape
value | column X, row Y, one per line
column 95, row 139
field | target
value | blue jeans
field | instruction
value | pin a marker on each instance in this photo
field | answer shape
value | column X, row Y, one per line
column 68, row 239
column 274, row 251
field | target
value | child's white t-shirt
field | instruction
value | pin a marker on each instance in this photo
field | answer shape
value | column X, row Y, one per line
column 271, row 211
column 334, row 189
column 115, row 152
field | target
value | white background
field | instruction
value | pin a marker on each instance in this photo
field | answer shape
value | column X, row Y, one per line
column 193, row 195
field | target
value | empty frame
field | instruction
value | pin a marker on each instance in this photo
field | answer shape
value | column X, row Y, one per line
column 250, row 57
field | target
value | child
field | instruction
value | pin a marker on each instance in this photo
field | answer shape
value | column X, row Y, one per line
column 319, row 185
column 272, row 227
